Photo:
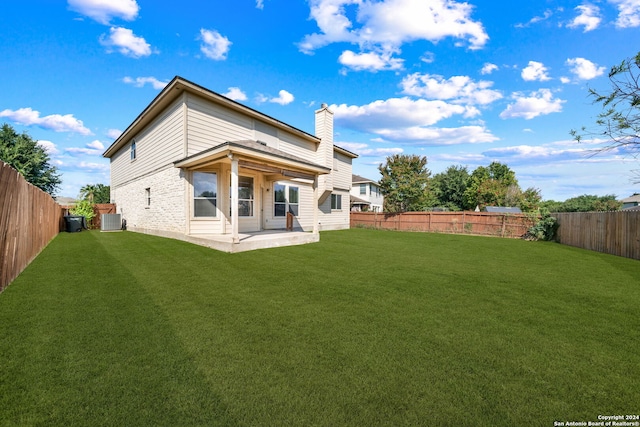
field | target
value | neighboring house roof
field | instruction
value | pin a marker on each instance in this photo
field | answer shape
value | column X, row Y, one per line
column 175, row 88
column 502, row 209
column 357, row 179
column 358, row 201
column 633, row 199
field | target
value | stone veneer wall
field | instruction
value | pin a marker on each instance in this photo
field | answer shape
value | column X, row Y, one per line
column 167, row 209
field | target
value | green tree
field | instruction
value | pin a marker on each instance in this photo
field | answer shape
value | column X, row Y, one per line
column 96, row 193
column 590, row 203
column 24, row 154
column 449, row 186
column 619, row 121
column 488, row 186
column 404, row 183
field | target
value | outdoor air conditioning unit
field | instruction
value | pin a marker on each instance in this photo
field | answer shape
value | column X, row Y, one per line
column 111, row 222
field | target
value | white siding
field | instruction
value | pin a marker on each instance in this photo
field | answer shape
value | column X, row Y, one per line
column 158, row 145
column 341, row 172
column 334, row 219
column 304, row 219
column 297, row 146
column 209, row 125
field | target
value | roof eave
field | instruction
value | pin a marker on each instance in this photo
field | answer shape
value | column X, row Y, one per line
column 175, row 88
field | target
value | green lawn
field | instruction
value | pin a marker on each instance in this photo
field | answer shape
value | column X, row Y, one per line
column 365, row 328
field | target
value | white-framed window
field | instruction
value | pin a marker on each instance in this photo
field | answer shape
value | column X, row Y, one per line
column 286, row 198
column 205, row 194
column 245, row 196
column 336, row 202
column 133, row 150
column 363, row 188
column 147, row 197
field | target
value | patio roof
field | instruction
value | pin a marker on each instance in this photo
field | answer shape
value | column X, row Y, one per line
column 257, row 156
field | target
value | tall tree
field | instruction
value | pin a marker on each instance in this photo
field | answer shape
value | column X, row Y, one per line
column 488, row 186
column 404, row 183
column 25, row 155
column 619, row 121
column 96, row 193
column 449, row 187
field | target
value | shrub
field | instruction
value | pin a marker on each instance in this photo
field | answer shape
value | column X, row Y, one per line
column 544, row 229
column 85, row 209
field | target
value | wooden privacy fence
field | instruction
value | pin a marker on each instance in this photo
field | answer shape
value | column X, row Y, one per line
column 29, row 219
column 479, row 223
column 616, row 233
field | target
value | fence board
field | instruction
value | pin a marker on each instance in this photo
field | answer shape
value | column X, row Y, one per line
column 616, row 233
column 478, row 223
column 29, row 219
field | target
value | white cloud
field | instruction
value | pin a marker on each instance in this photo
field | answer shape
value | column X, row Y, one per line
column 114, row 133
column 236, row 94
column 384, row 26
column 103, row 11
column 584, row 69
column 94, row 148
column 589, row 17
column 125, row 42
column 410, row 121
column 394, row 113
column 460, row 89
column 433, row 136
column 547, row 14
column 540, row 102
column 260, row 4
column 49, row 147
column 141, row 81
column 93, row 167
column 54, row 122
column 214, row 45
column 363, row 150
column 428, row 57
column 370, row 61
column 488, row 68
column 628, row 13
column 283, row 98
column 535, row 71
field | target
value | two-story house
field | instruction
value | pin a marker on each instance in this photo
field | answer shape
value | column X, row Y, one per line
column 365, row 195
column 201, row 167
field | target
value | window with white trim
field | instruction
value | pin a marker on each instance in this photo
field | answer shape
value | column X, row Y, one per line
column 286, row 198
column 205, row 194
column 336, row 202
column 363, row 188
column 245, row 196
column 133, row 150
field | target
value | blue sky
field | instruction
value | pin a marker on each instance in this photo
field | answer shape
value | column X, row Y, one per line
column 461, row 83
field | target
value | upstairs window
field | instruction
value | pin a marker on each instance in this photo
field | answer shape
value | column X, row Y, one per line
column 363, row 188
column 133, row 150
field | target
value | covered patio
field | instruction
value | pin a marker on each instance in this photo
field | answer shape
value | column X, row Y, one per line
column 269, row 165
column 255, row 240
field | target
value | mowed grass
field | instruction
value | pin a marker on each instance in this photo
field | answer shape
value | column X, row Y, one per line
column 365, row 328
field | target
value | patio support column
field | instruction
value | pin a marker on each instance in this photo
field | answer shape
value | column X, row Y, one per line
column 234, row 199
column 315, row 205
